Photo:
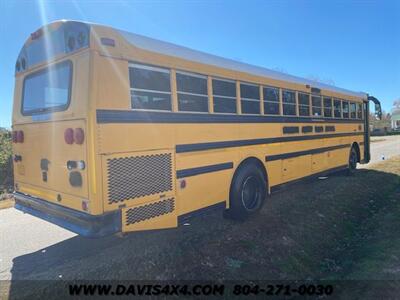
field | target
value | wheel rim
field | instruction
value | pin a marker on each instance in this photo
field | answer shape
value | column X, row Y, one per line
column 251, row 193
column 353, row 159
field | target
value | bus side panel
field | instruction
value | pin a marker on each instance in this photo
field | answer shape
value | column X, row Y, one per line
column 204, row 178
column 143, row 185
column 133, row 178
column 156, row 215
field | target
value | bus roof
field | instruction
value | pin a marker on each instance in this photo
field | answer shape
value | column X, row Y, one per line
column 170, row 49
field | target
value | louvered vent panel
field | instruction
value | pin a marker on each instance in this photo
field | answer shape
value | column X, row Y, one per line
column 149, row 211
column 138, row 176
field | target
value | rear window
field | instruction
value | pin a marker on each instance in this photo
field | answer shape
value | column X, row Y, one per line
column 47, row 90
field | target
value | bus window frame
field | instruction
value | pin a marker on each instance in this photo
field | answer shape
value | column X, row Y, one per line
column 341, row 109
column 348, row 109
column 288, row 103
column 192, row 74
column 261, row 99
column 250, row 99
column 268, row 101
column 321, row 115
column 352, row 103
column 359, row 107
column 226, row 97
column 301, row 105
column 54, row 109
column 151, row 68
column 331, row 106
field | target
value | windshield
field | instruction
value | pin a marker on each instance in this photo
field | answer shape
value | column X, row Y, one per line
column 47, row 90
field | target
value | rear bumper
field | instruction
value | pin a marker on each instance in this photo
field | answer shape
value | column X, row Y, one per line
column 81, row 223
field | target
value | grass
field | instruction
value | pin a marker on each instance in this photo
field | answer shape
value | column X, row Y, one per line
column 343, row 228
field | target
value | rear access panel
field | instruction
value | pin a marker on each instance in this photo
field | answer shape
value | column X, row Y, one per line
column 135, row 178
column 155, row 215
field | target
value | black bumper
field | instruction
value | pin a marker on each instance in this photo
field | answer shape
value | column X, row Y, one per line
column 73, row 220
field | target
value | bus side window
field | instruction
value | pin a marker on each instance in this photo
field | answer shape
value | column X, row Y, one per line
column 192, row 92
column 250, row 98
column 345, row 106
column 316, row 106
column 289, row 103
column 353, row 112
column 271, row 101
column 304, row 104
column 359, row 111
column 224, row 94
column 150, row 87
column 327, row 107
column 337, row 107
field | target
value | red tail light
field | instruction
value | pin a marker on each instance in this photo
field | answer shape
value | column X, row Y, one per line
column 79, row 136
column 20, row 136
column 69, row 136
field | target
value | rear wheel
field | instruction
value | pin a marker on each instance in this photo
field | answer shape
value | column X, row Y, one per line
column 352, row 164
column 248, row 192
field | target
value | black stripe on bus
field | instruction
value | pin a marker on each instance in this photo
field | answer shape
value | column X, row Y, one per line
column 239, row 143
column 305, row 152
column 290, row 129
column 203, row 170
column 138, row 116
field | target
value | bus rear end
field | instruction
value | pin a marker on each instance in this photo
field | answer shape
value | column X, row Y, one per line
column 50, row 130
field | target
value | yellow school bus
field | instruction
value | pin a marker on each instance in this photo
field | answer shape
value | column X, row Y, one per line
column 117, row 132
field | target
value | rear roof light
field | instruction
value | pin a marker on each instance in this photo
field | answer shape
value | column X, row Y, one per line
column 107, row 42
column 69, row 136
column 37, row 34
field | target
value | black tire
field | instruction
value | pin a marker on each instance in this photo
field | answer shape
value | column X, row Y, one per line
column 247, row 193
column 353, row 159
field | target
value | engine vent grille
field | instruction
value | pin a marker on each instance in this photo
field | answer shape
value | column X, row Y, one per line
column 149, row 211
column 138, row 176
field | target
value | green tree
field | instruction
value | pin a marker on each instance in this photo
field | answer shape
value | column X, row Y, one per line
column 6, row 172
column 381, row 124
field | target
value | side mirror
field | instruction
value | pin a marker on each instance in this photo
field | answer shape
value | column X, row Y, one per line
column 378, row 111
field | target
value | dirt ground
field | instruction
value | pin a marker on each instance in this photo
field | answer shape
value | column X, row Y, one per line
column 339, row 228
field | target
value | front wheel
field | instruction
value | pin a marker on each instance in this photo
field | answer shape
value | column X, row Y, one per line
column 352, row 164
column 248, row 192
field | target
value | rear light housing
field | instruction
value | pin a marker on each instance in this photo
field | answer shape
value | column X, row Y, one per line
column 79, row 136
column 76, row 136
column 37, row 34
column 69, row 136
column 18, row 136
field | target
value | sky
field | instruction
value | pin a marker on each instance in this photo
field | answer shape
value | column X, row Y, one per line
column 351, row 44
